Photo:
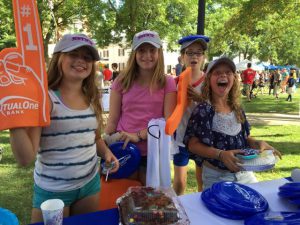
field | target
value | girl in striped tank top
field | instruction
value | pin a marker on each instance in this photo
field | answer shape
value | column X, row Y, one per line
column 66, row 152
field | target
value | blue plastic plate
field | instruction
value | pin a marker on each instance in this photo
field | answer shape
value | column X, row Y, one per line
column 215, row 207
column 239, row 197
column 289, row 194
column 295, row 201
column 130, row 158
column 7, row 217
column 257, row 168
column 274, row 218
column 293, row 186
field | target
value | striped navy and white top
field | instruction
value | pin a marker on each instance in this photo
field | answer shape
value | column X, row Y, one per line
column 67, row 158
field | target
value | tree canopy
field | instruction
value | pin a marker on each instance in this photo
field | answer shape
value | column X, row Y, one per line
column 268, row 30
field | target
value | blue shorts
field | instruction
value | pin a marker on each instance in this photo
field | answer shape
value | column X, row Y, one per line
column 182, row 158
column 68, row 197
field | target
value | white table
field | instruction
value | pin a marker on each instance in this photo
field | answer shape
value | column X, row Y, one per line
column 199, row 214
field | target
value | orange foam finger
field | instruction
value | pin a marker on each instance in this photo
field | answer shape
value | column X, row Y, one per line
column 23, row 79
column 182, row 102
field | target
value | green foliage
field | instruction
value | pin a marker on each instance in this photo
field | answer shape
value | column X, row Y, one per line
column 268, row 30
column 7, row 31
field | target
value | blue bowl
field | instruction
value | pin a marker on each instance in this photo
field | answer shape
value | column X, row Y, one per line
column 130, row 158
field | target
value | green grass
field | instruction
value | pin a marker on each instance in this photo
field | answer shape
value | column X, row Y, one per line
column 16, row 184
column 268, row 104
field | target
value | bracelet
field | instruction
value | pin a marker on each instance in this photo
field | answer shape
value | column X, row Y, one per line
column 139, row 135
column 219, row 154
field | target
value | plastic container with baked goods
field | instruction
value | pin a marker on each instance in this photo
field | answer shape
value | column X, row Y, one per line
column 151, row 206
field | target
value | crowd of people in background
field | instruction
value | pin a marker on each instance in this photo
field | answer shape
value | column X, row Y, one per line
column 271, row 82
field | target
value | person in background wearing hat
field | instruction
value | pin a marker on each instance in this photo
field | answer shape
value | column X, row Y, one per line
column 140, row 93
column 218, row 128
column 66, row 152
column 192, row 52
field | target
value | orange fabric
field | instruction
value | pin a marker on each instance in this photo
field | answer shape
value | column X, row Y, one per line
column 112, row 190
column 23, row 79
column 182, row 102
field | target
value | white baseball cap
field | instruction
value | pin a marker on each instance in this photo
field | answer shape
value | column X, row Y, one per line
column 70, row 42
column 218, row 61
column 146, row 36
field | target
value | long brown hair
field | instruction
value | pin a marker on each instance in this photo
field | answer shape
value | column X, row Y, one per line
column 233, row 96
column 129, row 75
column 89, row 87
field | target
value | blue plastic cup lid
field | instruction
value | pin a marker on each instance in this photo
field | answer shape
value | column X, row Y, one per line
column 7, row 217
column 274, row 218
column 239, row 197
column 129, row 160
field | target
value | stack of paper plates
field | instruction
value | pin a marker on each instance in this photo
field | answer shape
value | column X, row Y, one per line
column 233, row 200
column 291, row 191
column 265, row 161
column 8, row 218
column 274, row 218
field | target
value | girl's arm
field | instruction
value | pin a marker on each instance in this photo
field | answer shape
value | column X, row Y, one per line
column 105, row 153
column 115, row 102
column 169, row 104
column 227, row 157
column 25, row 143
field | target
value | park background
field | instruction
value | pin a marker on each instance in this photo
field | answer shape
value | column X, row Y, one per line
column 264, row 31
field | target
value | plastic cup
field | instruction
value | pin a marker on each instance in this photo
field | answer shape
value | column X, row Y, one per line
column 52, row 211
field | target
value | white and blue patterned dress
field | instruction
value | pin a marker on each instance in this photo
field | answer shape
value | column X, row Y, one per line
column 221, row 131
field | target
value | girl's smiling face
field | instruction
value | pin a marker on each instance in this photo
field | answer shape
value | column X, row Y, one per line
column 147, row 56
column 221, row 80
column 77, row 64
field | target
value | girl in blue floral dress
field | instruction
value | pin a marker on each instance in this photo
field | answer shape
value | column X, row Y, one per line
column 218, row 128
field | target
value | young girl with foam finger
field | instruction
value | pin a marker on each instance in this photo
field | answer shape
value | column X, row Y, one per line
column 66, row 165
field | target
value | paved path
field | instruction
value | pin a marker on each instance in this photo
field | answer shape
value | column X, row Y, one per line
column 273, row 119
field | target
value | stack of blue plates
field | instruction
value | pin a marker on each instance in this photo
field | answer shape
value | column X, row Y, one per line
column 274, row 218
column 7, row 217
column 291, row 191
column 233, row 200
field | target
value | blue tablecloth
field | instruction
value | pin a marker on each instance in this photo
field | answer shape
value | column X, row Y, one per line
column 105, row 217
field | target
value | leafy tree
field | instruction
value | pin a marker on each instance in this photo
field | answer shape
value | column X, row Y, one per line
column 7, row 31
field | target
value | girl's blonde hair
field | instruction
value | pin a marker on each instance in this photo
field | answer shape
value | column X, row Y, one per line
column 129, row 75
column 89, row 87
column 233, row 96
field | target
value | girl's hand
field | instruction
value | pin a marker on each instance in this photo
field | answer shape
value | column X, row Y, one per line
column 128, row 137
column 192, row 94
column 109, row 159
column 230, row 161
column 262, row 145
